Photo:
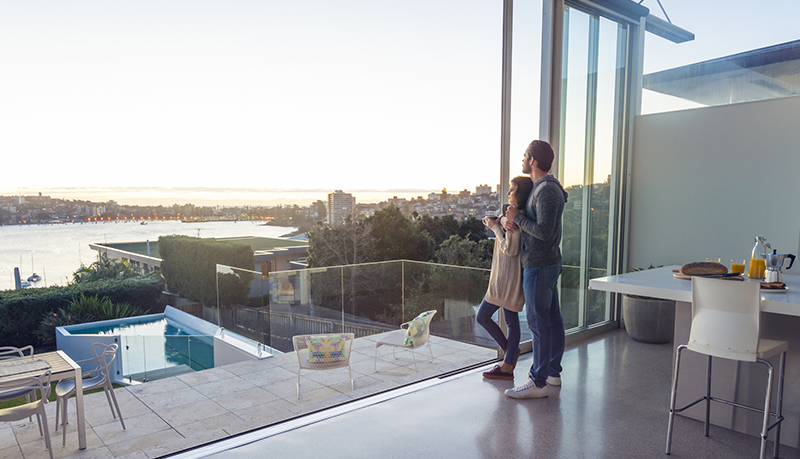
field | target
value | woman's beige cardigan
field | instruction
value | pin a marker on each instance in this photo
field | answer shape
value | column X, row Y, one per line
column 505, row 281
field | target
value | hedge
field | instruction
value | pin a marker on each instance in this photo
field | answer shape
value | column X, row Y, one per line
column 21, row 310
column 189, row 268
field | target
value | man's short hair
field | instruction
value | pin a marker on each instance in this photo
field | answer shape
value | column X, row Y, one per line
column 542, row 152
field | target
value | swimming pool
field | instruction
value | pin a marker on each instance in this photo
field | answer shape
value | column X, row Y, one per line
column 155, row 347
column 160, row 345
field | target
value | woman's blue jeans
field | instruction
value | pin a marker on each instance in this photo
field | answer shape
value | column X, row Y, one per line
column 510, row 344
column 544, row 319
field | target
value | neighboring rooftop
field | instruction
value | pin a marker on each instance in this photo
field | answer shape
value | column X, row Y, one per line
column 258, row 244
column 764, row 73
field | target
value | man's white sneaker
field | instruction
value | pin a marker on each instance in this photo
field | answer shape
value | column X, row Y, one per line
column 527, row 390
column 553, row 381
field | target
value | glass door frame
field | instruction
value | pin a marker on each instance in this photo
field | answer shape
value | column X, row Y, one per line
column 551, row 124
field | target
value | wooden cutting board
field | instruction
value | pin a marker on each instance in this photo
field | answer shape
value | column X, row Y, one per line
column 679, row 275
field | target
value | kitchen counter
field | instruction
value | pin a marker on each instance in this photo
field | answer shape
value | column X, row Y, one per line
column 743, row 382
column 659, row 283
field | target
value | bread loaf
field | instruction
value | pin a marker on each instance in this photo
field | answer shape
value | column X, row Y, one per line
column 703, row 268
column 773, row 286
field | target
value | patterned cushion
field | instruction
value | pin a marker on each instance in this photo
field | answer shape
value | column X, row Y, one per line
column 416, row 330
column 325, row 349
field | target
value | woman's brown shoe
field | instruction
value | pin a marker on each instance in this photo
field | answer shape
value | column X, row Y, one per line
column 497, row 373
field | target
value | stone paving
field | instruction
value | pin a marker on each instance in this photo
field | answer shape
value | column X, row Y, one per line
column 179, row 412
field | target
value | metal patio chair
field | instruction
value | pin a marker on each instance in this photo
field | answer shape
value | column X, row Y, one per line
column 412, row 335
column 98, row 377
column 23, row 387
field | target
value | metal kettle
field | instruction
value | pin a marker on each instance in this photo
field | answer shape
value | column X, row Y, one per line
column 774, row 264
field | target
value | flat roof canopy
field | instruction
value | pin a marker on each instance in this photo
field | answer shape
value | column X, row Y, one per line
column 764, row 73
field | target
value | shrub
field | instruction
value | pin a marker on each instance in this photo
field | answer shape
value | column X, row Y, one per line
column 189, row 268
column 22, row 310
column 84, row 309
column 107, row 269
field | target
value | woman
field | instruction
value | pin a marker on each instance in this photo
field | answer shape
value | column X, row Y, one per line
column 505, row 285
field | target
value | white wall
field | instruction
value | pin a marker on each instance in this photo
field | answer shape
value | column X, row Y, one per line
column 706, row 181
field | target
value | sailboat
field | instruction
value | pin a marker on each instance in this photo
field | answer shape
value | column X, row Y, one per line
column 33, row 277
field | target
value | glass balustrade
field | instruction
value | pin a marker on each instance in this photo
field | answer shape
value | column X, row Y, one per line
column 150, row 357
column 364, row 299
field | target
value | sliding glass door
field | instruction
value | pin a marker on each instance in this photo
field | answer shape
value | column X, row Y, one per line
column 592, row 98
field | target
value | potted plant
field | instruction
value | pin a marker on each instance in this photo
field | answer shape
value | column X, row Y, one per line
column 649, row 320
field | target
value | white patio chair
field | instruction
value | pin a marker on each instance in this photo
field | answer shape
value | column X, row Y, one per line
column 10, row 352
column 24, row 386
column 412, row 335
column 323, row 352
column 98, row 377
column 725, row 323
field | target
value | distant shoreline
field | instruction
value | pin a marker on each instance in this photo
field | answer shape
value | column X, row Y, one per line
column 209, row 197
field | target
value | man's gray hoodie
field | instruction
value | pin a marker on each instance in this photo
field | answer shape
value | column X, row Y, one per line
column 541, row 224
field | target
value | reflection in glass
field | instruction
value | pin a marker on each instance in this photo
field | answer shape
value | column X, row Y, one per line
column 592, row 96
column 364, row 299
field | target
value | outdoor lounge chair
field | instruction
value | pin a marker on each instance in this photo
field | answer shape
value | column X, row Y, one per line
column 412, row 335
column 323, row 352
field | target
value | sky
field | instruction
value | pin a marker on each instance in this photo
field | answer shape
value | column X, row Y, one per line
column 290, row 100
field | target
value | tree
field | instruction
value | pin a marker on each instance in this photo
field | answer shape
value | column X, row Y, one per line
column 397, row 236
column 473, row 229
column 350, row 243
column 459, row 251
column 439, row 228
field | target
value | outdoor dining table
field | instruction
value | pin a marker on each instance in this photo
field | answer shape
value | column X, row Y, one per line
column 61, row 366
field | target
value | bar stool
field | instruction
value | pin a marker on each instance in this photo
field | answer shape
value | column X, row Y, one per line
column 726, row 323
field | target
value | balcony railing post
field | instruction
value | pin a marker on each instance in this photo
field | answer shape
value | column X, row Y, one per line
column 341, row 276
column 403, row 289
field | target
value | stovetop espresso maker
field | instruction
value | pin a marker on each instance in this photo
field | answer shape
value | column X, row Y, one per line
column 774, row 264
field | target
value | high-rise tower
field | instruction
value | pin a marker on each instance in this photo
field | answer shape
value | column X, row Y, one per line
column 340, row 205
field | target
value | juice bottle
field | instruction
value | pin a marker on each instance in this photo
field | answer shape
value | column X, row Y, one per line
column 757, row 268
column 758, row 259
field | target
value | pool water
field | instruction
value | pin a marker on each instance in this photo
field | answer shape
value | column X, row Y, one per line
column 155, row 348
column 128, row 327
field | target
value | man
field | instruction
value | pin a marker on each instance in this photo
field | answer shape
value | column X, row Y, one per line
column 541, row 265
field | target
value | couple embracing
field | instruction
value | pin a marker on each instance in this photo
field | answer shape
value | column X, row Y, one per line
column 525, row 269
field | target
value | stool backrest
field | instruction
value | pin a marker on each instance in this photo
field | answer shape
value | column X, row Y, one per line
column 725, row 318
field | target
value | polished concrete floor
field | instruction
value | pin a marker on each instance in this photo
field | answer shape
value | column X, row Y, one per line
column 613, row 404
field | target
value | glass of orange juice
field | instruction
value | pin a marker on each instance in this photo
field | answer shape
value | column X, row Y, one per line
column 737, row 266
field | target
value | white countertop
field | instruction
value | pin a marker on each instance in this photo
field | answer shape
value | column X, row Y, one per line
column 659, row 283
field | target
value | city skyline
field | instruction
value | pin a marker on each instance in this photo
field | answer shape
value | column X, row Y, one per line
column 204, row 196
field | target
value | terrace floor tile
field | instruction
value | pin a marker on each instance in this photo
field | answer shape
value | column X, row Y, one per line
column 179, row 412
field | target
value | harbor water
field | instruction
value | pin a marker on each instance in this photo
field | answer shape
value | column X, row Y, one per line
column 56, row 251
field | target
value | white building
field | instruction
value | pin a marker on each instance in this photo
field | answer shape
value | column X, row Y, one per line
column 340, row 205
column 483, row 189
